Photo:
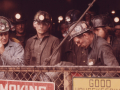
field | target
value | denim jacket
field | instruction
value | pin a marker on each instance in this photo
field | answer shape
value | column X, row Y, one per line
column 13, row 54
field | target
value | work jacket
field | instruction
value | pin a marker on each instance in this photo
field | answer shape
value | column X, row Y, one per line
column 100, row 53
column 37, row 50
column 13, row 55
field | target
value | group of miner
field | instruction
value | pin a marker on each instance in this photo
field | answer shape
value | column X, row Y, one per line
column 94, row 41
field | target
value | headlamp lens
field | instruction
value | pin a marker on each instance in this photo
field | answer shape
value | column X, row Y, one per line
column 2, row 27
column 68, row 19
column 41, row 17
column 17, row 16
column 60, row 18
column 116, row 19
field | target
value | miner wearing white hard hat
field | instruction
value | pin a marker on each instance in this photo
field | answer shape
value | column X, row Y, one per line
column 99, row 51
column 11, row 53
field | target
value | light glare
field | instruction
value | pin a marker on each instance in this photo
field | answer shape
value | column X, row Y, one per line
column 17, row 16
column 41, row 17
column 113, row 11
column 116, row 19
column 67, row 19
column 60, row 18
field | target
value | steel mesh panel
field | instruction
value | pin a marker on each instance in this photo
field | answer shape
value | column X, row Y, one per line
column 61, row 76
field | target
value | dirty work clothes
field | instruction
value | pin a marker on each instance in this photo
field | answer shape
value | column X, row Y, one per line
column 115, row 43
column 100, row 53
column 13, row 55
column 72, row 53
column 37, row 50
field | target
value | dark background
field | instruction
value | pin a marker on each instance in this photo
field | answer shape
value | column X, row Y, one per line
column 55, row 7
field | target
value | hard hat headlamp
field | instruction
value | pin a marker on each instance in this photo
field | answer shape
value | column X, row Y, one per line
column 4, row 24
column 2, row 27
column 17, row 16
column 41, row 17
column 67, row 19
column 116, row 19
column 80, row 28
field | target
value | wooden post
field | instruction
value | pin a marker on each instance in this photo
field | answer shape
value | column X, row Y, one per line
column 67, row 81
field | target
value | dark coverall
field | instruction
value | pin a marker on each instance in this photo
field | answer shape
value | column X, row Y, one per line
column 72, row 53
column 115, row 43
column 100, row 53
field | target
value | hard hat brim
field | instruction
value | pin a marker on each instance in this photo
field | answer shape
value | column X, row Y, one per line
column 75, row 33
column 1, row 31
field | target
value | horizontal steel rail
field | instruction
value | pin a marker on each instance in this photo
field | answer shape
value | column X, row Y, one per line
column 61, row 68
